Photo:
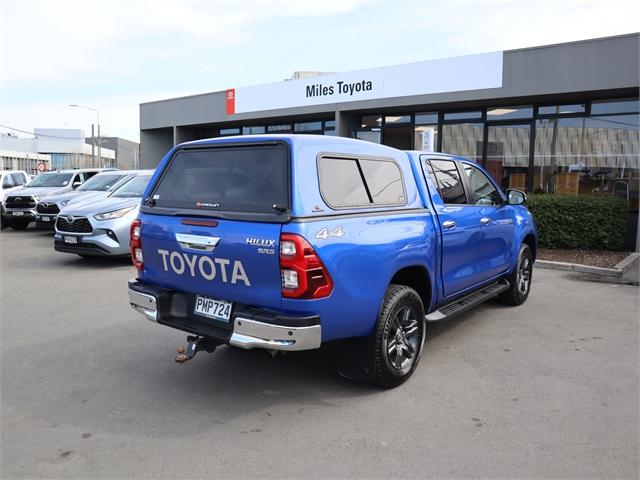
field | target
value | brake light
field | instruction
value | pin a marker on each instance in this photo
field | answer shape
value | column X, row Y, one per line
column 136, row 245
column 301, row 270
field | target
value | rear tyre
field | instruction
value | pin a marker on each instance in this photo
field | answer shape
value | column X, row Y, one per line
column 520, row 279
column 399, row 336
column 19, row 224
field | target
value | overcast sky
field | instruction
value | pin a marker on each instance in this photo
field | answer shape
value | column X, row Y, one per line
column 112, row 55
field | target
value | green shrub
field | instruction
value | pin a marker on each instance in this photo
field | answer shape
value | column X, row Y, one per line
column 586, row 222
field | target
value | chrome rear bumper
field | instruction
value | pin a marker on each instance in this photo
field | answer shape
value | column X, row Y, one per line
column 247, row 333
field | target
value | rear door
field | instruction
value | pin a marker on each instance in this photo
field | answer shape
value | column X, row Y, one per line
column 460, row 227
column 211, row 224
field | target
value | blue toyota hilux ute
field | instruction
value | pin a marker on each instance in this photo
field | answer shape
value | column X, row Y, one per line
column 286, row 242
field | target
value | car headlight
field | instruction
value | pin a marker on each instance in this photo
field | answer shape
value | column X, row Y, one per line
column 114, row 214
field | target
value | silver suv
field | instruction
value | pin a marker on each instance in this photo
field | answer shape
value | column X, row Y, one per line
column 20, row 205
column 10, row 181
column 96, row 188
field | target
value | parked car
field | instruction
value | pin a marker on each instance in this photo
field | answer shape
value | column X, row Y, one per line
column 96, row 188
column 20, row 205
column 285, row 242
column 10, row 181
column 101, row 228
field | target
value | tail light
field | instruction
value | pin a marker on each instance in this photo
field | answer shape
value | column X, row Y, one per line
column 301, row 270
column 136, row 245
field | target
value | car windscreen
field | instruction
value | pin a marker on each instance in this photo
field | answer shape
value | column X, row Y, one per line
column 236, row 179
column 100, row 183
column 51, row 180
column 133, row 188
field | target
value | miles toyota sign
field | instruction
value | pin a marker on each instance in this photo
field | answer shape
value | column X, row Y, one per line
column 471, row 72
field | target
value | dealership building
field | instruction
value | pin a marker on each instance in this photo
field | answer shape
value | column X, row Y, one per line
column 557, row 118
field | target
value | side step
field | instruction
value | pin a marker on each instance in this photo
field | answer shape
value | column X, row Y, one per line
column 471, row 300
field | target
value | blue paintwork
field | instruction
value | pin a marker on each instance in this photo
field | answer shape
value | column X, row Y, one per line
column 364, row 260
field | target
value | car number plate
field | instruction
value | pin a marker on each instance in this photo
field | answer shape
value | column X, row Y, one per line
column 45, row 219
column 18, row 214
column 70, row 240
column 216, row 309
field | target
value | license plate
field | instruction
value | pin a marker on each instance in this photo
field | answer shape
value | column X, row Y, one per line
column 18, row 214
column 216, row 309
column 70, row 240
column 45, row 219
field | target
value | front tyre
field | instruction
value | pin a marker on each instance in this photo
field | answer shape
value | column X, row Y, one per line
column 399, row 336
column 520, row 279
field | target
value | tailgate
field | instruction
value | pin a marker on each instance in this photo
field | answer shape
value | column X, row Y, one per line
column 234, row 260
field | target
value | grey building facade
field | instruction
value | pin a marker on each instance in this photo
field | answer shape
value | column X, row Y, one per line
column 559, row 118
column 127, row 152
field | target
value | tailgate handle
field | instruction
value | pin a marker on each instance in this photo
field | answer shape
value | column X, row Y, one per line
column 197, row 242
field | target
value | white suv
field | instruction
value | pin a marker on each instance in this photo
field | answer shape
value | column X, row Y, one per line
column 10, row 180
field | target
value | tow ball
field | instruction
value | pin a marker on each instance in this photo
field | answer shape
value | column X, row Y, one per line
column 194, row 345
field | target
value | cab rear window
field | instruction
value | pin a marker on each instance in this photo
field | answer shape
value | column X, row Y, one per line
column 236, row 179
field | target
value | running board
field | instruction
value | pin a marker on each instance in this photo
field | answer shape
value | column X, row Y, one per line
column 471, row 300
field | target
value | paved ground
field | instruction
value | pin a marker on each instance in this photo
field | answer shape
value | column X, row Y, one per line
column 549, row 389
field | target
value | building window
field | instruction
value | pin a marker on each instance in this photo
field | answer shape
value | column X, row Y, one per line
column 284, row 128
column 229, row 131
column 307, row 127
column 252, row 130
column 623, row 105
column 397, row 119
column 471, row 115
column 509, row 113
column 561, row 109
column 371, row 121
column 587, row 154
column 426, row 118
column 330, row 127
column 463, row 139
column 507, row 154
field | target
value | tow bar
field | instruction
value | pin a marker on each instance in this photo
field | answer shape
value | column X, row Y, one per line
column 194, row 345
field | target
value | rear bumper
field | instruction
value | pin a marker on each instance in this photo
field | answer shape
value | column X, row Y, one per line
column 249, row 327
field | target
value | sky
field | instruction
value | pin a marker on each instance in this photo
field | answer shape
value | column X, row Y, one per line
column 112, row 55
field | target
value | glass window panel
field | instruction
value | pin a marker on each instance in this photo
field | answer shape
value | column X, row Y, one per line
column 279, row 128
column 340, row 182
column 426, row 138
column 368, row 121
column 373, row 136
column 508, row 155
column 229, row 131
column 615, row 106
column 561, row 109
column 449, row 182
column 484, row 193
column 330, row 124
column 426, row 118
column 397, row 119
column 329, row 131
column 507, row 113
column 384, row 181
column 252, row 130
column 463, row 115
column 586, row 155
column 463, row 140
column 307, row 126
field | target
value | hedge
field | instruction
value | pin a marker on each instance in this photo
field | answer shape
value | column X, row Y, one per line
column 585, row 222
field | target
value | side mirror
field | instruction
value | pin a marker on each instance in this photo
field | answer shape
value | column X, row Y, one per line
column 76, row 184
column 516, row 197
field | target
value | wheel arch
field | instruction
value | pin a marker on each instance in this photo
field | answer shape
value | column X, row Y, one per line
column 530, row 240
column 418, row 278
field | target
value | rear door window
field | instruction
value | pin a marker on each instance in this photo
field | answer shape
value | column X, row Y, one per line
column 446, row 176
column 242, row 179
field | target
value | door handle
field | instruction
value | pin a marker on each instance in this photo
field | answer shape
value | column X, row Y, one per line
column 197, row 242
column 449, row 224
column 485, row 220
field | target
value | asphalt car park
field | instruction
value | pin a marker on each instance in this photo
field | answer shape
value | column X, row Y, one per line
column 89, row 389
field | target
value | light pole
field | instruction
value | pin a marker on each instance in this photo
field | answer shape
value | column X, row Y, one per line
column 99, row 138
